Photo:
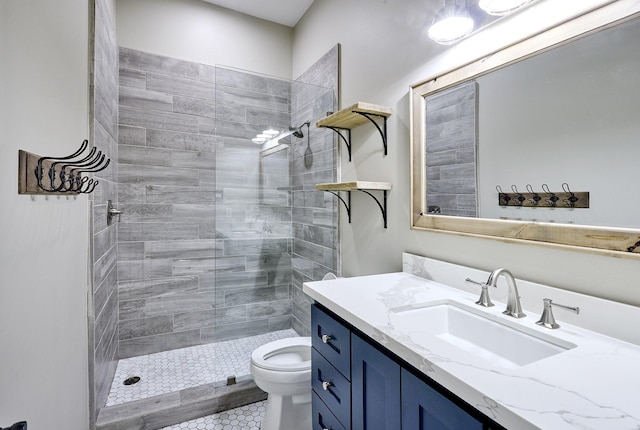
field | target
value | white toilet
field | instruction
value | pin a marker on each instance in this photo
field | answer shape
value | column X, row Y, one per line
column 283, row 370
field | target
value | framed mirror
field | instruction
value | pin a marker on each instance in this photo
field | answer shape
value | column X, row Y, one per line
column 555, row 116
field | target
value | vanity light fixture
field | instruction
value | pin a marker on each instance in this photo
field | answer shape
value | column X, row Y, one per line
column 451, row 24
column 501, row 7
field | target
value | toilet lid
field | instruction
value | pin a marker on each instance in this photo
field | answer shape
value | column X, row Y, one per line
column 285, row 355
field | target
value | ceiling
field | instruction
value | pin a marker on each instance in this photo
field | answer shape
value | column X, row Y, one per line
column 285, row 12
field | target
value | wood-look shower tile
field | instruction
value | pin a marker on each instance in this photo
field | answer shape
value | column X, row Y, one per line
column 194, row 159
column 194, row 320
column 144, row 155
column 132, row 135
column 269, row 309
column 179, row 195
column 132, row 78
column 157, row 343
column 181, row 250
column 207, row 73
column 194, row 106
column 137, row 117
column 146, row 99
column 180, row 86
column 138, row 174
column 146, row 289
column 130, row 329
column 157, row 212
column 197, row 266
column 133, row 59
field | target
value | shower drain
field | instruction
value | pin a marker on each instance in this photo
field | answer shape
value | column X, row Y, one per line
column 132, row 380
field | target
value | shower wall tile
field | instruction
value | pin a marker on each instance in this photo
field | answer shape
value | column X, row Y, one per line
column 147, row 118
column 194, row 320
column 103, row 320
column 149, row 289
column 314, row 215
column 181, row 87
column 200, row 246
column 158, row 343
column 143, row 61
column 131, row 136
column 130, row 329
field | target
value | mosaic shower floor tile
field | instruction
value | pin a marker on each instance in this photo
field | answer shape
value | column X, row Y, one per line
column 178, row 369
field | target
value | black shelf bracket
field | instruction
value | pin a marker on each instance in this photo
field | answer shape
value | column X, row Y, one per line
column 346, row 140
column 382, row 131
column 382, row 206
column 347, row 204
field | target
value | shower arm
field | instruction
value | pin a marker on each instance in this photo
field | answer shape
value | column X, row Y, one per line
column 292, row 130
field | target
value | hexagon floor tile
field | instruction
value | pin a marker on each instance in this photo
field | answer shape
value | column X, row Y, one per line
column 178, row 369
column 243, row 418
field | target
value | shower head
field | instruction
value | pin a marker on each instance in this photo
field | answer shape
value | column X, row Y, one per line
column 297, row 131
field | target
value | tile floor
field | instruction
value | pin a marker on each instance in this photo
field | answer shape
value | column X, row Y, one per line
column 178, row 369
column 243, row 418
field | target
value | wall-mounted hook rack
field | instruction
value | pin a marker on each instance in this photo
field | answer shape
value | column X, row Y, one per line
column 365, row 187
column 545, row 199
column 60, row 175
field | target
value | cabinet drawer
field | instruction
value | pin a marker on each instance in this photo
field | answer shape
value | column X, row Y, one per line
column 424, row 408
column 332, row 387
column 332, row 340
column 323, row 419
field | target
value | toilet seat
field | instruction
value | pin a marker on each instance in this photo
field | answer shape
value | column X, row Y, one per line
column 284, row 355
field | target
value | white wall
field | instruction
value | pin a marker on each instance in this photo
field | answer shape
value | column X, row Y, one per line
column 43, row 241
column 197, row 31
column 384, row 51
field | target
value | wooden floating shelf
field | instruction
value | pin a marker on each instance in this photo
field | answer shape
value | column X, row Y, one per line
column 352, row 117
column 366, row 187
column 354, row 186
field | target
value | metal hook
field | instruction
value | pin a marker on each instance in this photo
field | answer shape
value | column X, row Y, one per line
column 553, row 199
column 502, row 196
column 572, row 199
column 535, row 198
column 521, row 198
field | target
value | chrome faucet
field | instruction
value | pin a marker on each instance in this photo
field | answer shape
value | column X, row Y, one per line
column 547, row 320
column 514, row 309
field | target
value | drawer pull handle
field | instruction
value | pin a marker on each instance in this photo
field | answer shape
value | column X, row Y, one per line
column 326, row 385
column 326, row 338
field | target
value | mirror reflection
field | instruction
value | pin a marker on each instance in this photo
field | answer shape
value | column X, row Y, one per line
column 564, row 119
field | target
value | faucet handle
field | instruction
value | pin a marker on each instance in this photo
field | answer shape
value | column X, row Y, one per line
column 484, row 299
column 547, row 319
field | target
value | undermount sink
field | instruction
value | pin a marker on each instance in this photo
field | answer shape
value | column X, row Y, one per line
column 484, row 335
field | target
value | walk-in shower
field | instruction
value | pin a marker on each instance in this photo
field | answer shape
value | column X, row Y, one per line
column 217, row 234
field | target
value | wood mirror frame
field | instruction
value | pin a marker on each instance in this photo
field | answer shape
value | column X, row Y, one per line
column 618, row 242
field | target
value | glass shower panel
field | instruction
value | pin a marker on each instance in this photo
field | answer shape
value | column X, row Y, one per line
column 254, row 217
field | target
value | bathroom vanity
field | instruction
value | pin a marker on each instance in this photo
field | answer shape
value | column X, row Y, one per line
column 413, row 350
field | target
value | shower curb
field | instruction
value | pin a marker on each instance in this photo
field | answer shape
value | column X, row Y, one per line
column 179, row 406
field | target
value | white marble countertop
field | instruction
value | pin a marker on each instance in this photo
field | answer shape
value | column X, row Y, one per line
column 595, row 385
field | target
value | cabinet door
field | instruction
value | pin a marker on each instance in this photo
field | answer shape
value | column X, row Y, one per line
column 423, row 408
column 375, row 388
column 331, row 339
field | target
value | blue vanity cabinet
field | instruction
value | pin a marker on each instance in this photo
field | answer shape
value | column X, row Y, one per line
column 359, row 385
column 423, row 408
column 375, row 388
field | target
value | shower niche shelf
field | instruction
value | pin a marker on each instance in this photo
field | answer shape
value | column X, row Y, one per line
column 366, row 187
column 355, row 116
